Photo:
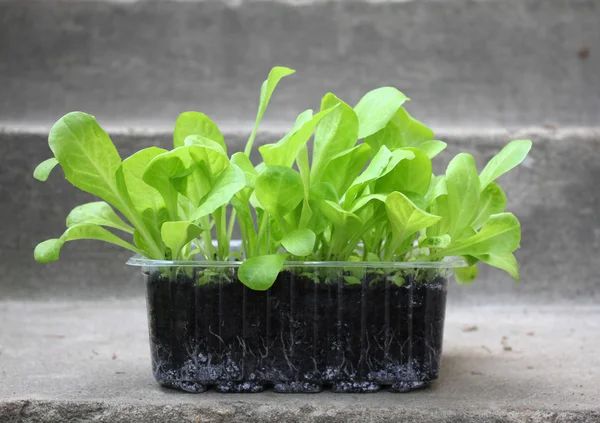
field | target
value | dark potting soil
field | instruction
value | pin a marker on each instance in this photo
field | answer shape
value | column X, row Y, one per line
column 299, row 336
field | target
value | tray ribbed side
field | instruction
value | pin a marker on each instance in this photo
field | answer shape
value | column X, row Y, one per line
column 314, row 328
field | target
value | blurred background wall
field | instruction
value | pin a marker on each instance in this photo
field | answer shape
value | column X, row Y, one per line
column 480, row 72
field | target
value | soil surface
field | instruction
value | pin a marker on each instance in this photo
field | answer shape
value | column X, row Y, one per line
column 209, row 330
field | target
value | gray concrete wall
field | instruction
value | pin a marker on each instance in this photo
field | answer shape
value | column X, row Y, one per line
column 140, row 63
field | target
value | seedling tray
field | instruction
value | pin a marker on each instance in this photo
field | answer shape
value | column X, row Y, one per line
column 347, row 326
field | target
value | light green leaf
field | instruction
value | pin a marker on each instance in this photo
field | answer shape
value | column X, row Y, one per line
column 372, row 172
column 466, row 233
column 266, row 90
column 376, row 109
column 317, row 194
column 42, row 171
column 417, row 199
column 304, row 168
column 412, row 132
column 436, row 188
column 299, row 242
column 283, row 152
column 407, row 175
column 389, row 137
column 323, row 191
column 163, row 169
column 397, row 156
column 345, row 167
column 465, row 275
column 243, row 162
column 401, row 131
column 259, row 273
column 504, row 261
column 254, row 201
column 509, row 157
column 366, row 199
column 142, row 195
column 153, row 218
column 146, row 200
column 97, row 213
column 229, row 182
column 439, row 207
column 405, row 217
column 470, row 260
column 336, row 132
column 208, row 155
column 492, row 201
column 91, row 162
column 87, row 155
column 190, row 170
column 176, row 235
column 194, row 123
column 340, row 217
column 49, row 250
column 462, row 184
column 432, row 148
column 271, row 158
column 279, row 190
column 208, row 161
column 501, row 234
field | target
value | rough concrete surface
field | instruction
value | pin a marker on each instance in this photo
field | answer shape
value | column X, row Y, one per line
column 554, row 193
column 89, row 361
column 469, row 62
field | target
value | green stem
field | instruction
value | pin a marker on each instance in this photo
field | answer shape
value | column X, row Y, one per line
column 261, row 231
column 250, row 142
column 390, row 248
column 198, row 250
column 246, row 223
column 245, row 248
column 352, row 243
column 335, row 240
column 231, row 224
column 218, row 225
column 223, row 241
column 287, row 227
column 220, row 217
column 304, row 215
column 135, row 219
column 207, row 238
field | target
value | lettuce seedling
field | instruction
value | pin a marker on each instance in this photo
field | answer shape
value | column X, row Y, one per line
column 367, row 194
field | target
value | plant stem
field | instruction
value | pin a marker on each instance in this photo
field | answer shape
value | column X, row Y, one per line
column 207, row 238
column 220, row 219
column 138, row 223
column 334, row 242
column 231, row 224
column 261, row 231
column 304, row 215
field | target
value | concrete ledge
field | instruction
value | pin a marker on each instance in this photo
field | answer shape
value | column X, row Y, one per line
column 509, row 62
column 84, row 361
column 309, row 410
column 555, row 194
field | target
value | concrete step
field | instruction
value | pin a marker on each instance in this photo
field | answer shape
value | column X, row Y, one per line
column 554, row 194
column 89, row 361
column 464, row 62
